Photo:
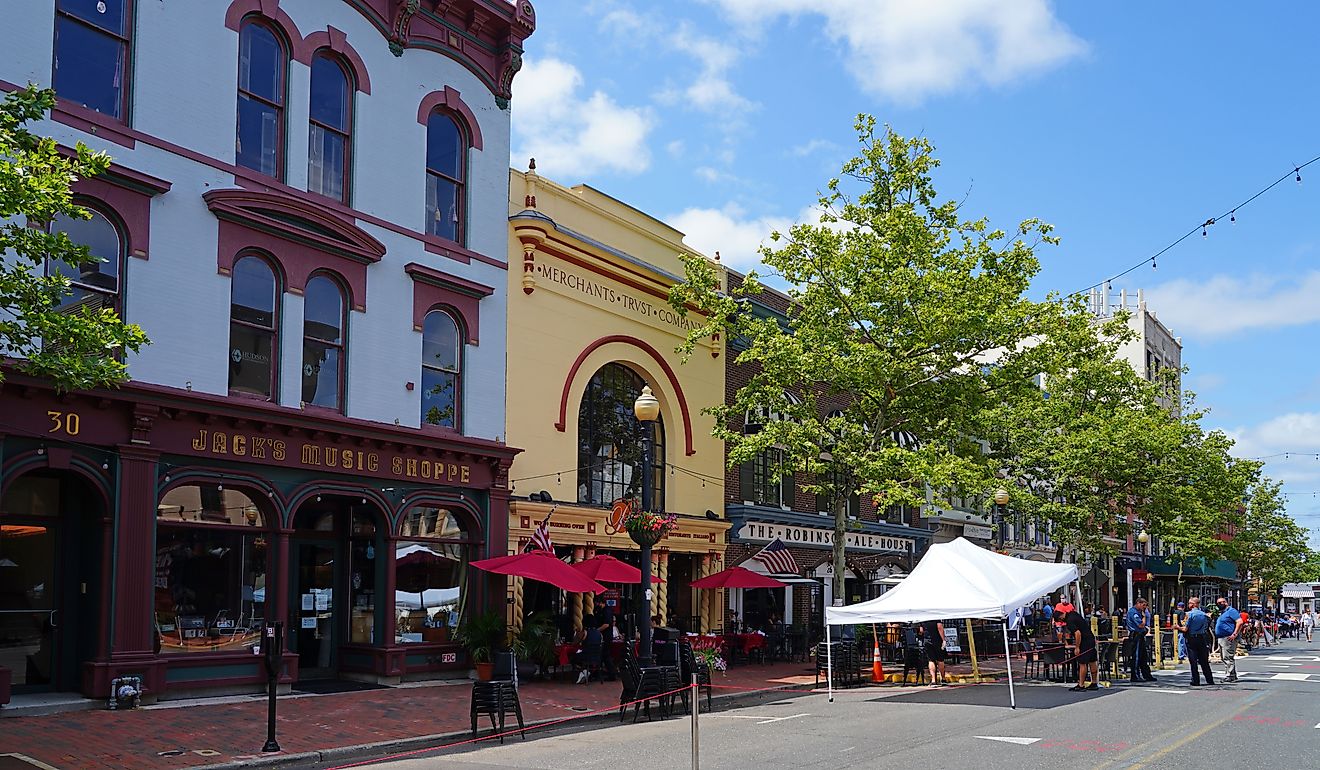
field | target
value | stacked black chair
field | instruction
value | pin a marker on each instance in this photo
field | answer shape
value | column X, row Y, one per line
column 846, row 665
column 688, row 658
column 498, row 697
column 640, row 686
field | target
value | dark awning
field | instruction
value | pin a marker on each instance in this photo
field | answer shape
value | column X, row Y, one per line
column 1169, row 566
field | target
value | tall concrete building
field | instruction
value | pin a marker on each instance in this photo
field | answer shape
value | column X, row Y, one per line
column 1154, row 348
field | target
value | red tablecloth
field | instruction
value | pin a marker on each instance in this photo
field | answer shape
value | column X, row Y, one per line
column 564, row 652
column 744, row 643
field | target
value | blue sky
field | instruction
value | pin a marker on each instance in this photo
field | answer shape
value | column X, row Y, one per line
column 1124, row 125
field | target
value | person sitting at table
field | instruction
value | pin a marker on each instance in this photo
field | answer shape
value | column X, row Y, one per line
column 590, row 650
column 1079, row 632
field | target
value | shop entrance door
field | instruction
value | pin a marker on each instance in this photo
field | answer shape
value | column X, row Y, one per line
column 49, row 582
column 312, row 609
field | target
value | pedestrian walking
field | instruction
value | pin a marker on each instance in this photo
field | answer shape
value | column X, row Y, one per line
column 1137, row 623
column 1308, row 625
column 934, row 638
column 1079, row 629
column 1226, row 636
column 1196, row 633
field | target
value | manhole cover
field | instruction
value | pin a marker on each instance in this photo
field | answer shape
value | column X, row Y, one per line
column 579, row 708
column 170, row 753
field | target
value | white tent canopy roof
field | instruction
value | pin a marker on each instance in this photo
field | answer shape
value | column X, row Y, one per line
column 958, row 580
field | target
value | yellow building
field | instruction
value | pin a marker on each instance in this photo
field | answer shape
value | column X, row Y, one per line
column 589, row 325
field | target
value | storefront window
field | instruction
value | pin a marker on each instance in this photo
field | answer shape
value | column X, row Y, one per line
column 430, row 574
column 362, row 580
column 211, row 557
column 610, row 441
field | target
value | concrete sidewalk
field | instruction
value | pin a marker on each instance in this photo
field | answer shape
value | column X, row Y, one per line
column 214, row 732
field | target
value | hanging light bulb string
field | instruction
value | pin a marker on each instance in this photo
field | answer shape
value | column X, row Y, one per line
column 1204, row 227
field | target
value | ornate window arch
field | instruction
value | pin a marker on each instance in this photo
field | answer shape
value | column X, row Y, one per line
column 442, row 368
column 325, row 345
column 430, row 561
column 93, row 284
column 765, row 479
column 263, row 71
column 254, row 320
column 610, row 440
column 330, row 126
column 447, row 144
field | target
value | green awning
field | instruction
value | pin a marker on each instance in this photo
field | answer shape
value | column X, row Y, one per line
column 1168, row 565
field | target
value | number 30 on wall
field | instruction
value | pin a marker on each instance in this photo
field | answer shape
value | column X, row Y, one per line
column 68, row 423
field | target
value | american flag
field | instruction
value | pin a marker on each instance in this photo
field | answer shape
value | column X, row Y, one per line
column 541, row 536
column 777, row 558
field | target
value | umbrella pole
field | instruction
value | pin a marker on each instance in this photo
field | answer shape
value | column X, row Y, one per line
column 1008, row 662
column 829, row 662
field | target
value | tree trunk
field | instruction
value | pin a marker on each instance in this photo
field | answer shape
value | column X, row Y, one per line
column 839, row 587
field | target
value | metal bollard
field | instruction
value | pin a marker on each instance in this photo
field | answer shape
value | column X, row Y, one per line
column 696, row 736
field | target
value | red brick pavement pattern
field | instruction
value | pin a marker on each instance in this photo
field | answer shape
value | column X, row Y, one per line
column 223, row 732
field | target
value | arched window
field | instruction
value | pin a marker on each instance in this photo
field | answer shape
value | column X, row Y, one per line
column 92, row 284
column 211, row 559
column 841, row 482
column 446, row 170
column 329, row 144
column 430, row 563
column 442, row 369
column 91, row 54
column 253, row 322
column 766, row 480
column 610, row 441
column 262, row 64
column 323, row 343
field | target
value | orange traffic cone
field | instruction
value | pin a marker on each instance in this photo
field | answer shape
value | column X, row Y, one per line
column 877, row 669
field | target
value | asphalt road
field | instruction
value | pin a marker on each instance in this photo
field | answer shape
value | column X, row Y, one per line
column 1270, row 718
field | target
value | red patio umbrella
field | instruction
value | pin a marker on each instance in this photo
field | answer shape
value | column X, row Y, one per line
column 738, row 577
column 607, row 569
column 543, row 566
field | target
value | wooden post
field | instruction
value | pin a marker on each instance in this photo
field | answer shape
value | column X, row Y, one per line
column 971, row 648
column 1159, row 648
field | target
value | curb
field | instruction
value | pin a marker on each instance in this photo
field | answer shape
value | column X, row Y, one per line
column 381, row 749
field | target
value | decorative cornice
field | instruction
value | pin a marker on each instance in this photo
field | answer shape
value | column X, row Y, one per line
column 485, row 36
column 295, row 219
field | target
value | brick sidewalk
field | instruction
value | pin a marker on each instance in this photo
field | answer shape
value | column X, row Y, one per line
column 207, row 733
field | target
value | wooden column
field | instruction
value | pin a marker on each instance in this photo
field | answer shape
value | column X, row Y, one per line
column 134, row 563
column 576, row 597
column 589, row 600
column 661, row 570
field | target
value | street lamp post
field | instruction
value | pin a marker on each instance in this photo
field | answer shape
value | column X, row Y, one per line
column 1001, row 503
column 647, row 409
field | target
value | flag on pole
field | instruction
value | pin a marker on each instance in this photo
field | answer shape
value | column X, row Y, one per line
column 777, row 558
column 541, row 535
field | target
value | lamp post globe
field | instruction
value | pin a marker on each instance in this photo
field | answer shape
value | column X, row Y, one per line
column 647, row 409
column 1143, row 537
column 1001, row 496
column 1001, row 501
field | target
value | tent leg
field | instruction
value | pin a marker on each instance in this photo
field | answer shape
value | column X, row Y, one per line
column 1008, row 662
column 971, row 647
column 829, row 664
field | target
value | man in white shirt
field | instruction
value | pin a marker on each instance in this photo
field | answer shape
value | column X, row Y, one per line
column 1308, row 625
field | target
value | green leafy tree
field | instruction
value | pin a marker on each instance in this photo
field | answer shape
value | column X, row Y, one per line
column 79, row 349
column 1268, row 545
column 898, row 304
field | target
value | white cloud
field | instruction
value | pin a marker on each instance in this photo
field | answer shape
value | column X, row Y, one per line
column 910, row 49
column 811, row 147
column 1226, row 305
column 573, row 134
column 713, row 175
column 711, row 91
column 733, row 232
column 675, row 148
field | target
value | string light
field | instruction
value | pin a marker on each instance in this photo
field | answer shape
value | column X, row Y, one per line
column 1231, row 213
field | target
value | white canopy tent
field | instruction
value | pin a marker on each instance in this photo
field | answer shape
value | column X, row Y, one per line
column 956, row 580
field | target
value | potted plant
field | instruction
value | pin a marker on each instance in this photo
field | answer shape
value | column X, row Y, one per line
column 648, row 527
column 482, row 635
column 535, row 642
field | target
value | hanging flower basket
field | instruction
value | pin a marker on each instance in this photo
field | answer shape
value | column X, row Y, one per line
column 647, row 527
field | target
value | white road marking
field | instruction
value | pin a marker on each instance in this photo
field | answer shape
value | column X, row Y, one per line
column 1010, row 739
column 781, row 719
column 1171, row 692
column 732, row 716
column 1292, row 677
column 760, row 720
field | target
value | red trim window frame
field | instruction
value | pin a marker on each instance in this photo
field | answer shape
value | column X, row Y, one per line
column 456, row 422
column 280, row 92
column 124, row 41
column 435, row 175
column 345, row 133
column 116, row 223
column 273, row 384
column 340, row 346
